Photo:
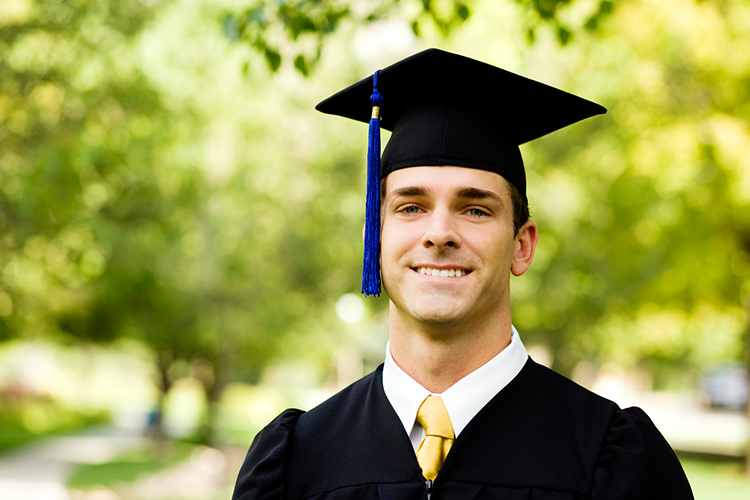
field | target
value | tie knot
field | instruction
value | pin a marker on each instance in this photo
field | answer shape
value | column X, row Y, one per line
column 433, row 417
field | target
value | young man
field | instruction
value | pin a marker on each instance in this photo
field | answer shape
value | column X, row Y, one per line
column 458, row 410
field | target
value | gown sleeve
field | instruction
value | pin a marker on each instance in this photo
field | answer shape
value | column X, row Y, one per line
column 637, row 462
column 263, row 474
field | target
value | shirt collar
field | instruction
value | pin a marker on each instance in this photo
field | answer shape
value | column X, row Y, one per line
column 464, row 399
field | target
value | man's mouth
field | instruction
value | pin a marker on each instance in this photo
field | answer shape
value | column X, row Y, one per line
column 444, row 273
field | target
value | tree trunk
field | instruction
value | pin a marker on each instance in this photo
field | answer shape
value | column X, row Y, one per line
column 155, row 425
column 747, row 409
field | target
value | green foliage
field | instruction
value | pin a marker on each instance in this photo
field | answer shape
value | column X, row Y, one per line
column 303, row 23
column 553, row 12
column 296, row 30
column 605, row 9
column 643, row 256
column 547, row 9
column 107, row 222
column 106, row 229
column 24, row 418
column 77, row 141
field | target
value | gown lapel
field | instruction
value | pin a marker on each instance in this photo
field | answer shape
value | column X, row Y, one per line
column 536, row 432
column 353, row 439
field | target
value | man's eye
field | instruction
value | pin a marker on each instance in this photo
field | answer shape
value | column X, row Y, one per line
column 476, row 212
column 411, row 210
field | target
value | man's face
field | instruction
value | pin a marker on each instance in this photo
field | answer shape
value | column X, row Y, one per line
column 447, row 244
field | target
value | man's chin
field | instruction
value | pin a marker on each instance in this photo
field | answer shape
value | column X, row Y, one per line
column 437, row 314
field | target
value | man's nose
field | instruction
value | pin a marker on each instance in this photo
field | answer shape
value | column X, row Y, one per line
column 441, row 232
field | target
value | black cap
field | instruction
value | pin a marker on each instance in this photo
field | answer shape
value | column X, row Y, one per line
column 447, row 109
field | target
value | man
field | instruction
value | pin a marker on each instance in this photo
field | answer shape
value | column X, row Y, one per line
column 458, row 410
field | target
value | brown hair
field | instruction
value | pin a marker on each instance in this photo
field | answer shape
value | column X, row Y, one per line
column 520, row 208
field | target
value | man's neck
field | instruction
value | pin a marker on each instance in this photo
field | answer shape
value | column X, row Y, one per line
column 439, row 356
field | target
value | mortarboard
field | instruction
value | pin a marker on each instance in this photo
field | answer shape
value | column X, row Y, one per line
column 447, row 109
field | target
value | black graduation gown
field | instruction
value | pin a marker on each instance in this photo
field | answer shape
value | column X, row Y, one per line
column 542, row 437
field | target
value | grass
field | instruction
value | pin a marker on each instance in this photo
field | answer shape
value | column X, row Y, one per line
column 12, row 435
column 130, row 466
column 717, row 479
column 111, row 473
column 26, row 419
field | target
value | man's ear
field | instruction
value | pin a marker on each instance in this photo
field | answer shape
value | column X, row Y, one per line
column 526, row 240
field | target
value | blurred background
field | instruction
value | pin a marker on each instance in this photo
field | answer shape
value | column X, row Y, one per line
column 180, row 232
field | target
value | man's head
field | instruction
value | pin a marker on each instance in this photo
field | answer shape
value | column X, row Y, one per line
column 448, row 110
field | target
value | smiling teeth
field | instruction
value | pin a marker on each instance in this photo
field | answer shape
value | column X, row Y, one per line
column 442, row 272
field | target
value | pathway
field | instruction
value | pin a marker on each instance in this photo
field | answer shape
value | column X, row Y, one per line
column 38, row 471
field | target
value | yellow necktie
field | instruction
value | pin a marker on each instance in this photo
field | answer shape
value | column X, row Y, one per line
column 439, row 436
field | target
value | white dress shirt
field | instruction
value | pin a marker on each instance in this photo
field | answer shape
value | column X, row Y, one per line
column 463, row 400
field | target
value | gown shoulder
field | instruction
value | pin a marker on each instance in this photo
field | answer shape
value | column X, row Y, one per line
column 263, row 474
column 637, row 462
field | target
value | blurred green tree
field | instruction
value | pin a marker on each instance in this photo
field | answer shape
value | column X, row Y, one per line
column 648, row 218
column 84, row 219
column 296, row 30
column 114, row 190
column 105, row 233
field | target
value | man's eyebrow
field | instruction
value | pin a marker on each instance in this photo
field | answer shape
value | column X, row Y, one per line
column 478, row 194
column 466, row 192
column 411, row 191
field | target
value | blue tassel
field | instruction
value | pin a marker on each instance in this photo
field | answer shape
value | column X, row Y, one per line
column 371, row 264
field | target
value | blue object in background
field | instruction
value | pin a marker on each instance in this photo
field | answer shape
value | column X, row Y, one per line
column 726, row 387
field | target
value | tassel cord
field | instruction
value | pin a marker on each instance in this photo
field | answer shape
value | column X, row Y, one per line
column 371, row 262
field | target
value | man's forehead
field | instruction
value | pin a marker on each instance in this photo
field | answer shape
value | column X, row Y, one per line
column 461, row 181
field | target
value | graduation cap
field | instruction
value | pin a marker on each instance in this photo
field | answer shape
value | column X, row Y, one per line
column 447, row 109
